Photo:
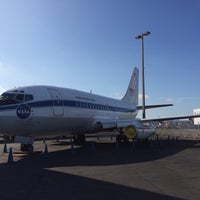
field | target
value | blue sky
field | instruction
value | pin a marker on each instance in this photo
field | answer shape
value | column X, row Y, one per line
column 90, row 45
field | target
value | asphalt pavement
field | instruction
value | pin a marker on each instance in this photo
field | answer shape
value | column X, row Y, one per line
column 102, row 169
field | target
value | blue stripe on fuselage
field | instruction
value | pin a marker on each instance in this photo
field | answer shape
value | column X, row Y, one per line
column 68, row 103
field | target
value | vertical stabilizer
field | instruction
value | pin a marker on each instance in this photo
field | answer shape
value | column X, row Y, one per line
column 131, row 96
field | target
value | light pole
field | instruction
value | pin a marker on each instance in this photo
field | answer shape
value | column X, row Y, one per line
column 141, row 36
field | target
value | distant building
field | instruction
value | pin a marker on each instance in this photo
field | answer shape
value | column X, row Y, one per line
column 196, row 112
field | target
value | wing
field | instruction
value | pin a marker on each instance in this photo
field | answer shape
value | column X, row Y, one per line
column 113, row 124
column 171, row 118
column 136, row 128
column 110, row 124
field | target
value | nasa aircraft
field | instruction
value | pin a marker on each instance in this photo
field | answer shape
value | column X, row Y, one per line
column 46, row 111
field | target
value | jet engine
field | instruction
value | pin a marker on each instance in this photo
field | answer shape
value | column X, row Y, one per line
column 138, row 130
column 130, row 132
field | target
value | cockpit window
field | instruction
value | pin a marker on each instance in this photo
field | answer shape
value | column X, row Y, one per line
column 6, row 99
column 19, row 97
column 6, row 96
column 13, row 98
column 28, row 97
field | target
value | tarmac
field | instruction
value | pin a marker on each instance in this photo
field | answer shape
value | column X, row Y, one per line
column 167, row 168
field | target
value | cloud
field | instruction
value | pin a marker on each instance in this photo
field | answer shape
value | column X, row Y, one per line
column 7, row 71
column 116, row 95
column 5, row 67
column 178, row 99
column 2, row 89
column 120, row 96
column 146, row 96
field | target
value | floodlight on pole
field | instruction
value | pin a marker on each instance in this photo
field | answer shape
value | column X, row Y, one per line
column 143, row 85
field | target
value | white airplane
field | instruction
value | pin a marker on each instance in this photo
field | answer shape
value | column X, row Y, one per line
column 46, row 111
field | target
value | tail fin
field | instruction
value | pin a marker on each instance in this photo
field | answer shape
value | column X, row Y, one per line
column 131, row 96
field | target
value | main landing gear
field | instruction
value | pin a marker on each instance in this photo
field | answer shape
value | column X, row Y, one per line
column 27, row 147
column 79, row 140
column 122, row 139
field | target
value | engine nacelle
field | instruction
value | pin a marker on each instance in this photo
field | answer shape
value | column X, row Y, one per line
column 133, row 132
column 144, row 133
column 130, row 132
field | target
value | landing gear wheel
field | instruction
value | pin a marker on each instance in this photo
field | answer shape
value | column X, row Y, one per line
column 30, row 149
column 125, row 139
column 27, row 147
column 79, row 140
column 122, row 139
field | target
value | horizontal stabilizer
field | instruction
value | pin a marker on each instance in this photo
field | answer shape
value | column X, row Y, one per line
column 154, row 106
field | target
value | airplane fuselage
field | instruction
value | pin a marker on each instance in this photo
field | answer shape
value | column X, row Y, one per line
column 42, row 111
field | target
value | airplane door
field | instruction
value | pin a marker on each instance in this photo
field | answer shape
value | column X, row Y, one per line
column 58, row 109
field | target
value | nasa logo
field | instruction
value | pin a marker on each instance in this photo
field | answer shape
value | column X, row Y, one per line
column 23, row 111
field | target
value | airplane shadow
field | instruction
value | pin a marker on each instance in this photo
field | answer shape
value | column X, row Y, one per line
column 103, row 154
column 29, row 180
